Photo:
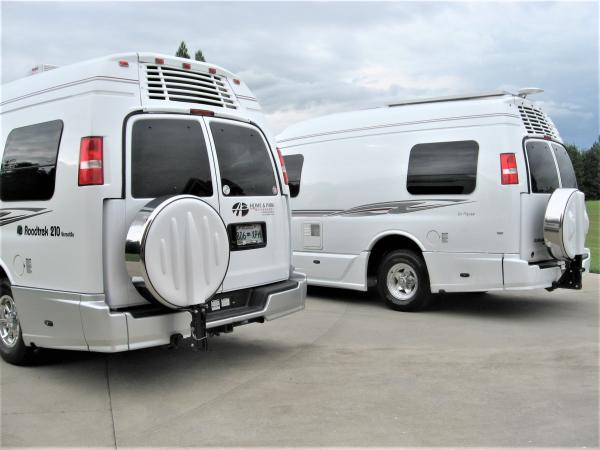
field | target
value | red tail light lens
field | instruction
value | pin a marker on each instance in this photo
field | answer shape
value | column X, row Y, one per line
column 508, row 168
column 91, row 171
column 283, row 169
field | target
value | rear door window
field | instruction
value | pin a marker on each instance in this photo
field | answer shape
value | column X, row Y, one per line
column 28, row 170
column 542, row 168
column 443, row 168
column 293, row 164
column 169, row 157
column 244, row 161
column 565, row 166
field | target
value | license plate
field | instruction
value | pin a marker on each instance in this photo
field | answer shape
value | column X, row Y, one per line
column 251, row 234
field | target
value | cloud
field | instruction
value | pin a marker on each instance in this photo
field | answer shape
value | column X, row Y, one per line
column 305, row 59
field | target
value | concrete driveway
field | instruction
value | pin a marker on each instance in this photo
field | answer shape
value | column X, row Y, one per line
column 507, row 369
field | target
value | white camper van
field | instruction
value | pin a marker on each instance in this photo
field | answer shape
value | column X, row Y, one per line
column 142, row 201
column 455, row 194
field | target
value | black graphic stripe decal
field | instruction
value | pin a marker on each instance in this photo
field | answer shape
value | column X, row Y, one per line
column 373, row 209
column 11, row 215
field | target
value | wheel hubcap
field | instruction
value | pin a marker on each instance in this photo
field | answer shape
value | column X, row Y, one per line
column 9, row 321
column 402, row 281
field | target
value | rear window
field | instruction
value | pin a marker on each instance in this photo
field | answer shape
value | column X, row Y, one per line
column 244, row 161
column 443, row 168
column 293, row 165
column 565, row 166
column 28, row 170
column 542, row 169
column 169, row 157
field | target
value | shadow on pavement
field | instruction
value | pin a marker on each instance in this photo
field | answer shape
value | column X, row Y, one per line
column 509, row 305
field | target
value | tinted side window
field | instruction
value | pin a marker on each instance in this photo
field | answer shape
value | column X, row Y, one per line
column 244, row 161
column 565, row 166
column 544, row 178
column 443, row 168
column 28, row 170
column 169, row 157
column 293, row 165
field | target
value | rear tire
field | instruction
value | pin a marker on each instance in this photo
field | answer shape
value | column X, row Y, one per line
column 12, row 347
column 403, row 282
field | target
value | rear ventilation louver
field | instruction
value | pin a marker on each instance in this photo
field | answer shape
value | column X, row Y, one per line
column 536, row 122
column 177, row 85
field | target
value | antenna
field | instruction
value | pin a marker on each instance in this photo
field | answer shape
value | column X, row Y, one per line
column 528, row 91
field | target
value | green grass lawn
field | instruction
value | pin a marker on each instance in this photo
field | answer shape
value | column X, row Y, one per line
column 593, row 237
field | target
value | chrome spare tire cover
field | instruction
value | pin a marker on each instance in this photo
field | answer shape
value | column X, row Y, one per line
column 566, row 224
column 179, row 247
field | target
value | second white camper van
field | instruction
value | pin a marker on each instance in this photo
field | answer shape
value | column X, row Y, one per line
column 456, row 194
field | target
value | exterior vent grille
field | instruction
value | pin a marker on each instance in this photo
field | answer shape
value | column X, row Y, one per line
column 177, row 85
column 536, row 122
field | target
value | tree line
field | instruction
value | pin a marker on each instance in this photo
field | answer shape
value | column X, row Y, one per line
column 587, row 168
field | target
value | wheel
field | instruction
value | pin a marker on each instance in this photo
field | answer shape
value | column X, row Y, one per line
column 403, row 282
column 12, row 346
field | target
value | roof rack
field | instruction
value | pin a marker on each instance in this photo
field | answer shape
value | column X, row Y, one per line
column 449, row 98
column 521, row 93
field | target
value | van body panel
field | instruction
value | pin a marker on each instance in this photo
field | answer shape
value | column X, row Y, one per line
column 329, row 269
column 464, row 272
column 48, row 317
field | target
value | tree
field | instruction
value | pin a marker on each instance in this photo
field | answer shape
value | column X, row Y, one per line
column 182, row 51
column 591, row 172
column 577, row 159
column 199, row 56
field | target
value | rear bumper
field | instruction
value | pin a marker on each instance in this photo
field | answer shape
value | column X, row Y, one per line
column 103, row 330
column 519, row 274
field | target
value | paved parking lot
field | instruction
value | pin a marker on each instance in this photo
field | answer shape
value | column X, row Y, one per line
column 502, row 369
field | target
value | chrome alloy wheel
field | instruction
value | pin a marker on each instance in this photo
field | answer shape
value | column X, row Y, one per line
column 402, row 281
column 9, row 321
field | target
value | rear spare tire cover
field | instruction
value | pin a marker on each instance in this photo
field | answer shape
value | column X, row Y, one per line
column 566, row 224
column 179, row 247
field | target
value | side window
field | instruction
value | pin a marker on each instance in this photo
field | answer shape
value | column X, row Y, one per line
column 28, row 170
column 244, row 161
column 443, row 168
column 544, row 178
column 169, row 157
column 293, row 164
column 565, row 166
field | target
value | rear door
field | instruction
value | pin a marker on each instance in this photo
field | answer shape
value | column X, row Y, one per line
column 251, row 204
column 549, row 168
column 166, row 155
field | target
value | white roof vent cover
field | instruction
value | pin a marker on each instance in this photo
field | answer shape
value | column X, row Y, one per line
column 537, row 122
column 179, row 85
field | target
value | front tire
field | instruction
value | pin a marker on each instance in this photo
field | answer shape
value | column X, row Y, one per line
column 403, row 282
column 12, row 347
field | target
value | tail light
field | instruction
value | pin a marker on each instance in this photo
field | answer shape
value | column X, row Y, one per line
column 508, row 168
column 283, row 169
column 91, row 171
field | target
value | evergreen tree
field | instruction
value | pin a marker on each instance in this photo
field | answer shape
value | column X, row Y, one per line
column 199, row 56
column 577, row 159
column 591, row 172
column 182, row 51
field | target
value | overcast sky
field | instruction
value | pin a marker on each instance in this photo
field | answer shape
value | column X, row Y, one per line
column 308, row 59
